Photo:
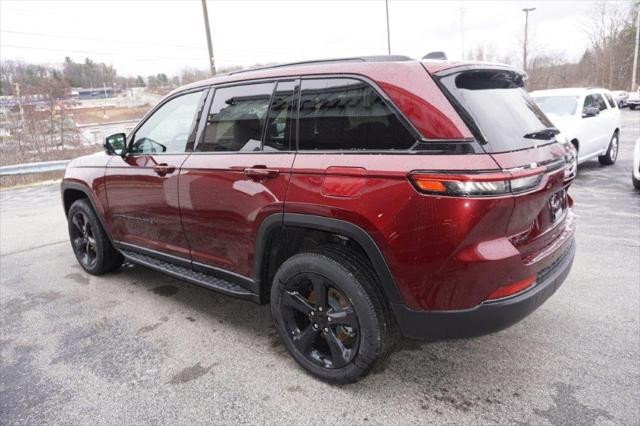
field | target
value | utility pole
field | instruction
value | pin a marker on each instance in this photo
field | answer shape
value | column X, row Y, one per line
column 386, row 5
column 18, row 99
column 526, row 11
column 634, row 82
column 208, row 31
column 462, row 30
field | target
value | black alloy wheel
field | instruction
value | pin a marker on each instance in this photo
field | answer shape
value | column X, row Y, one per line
column 83, row 240
column 320, row 320
column 89, row 242
column 329, row 309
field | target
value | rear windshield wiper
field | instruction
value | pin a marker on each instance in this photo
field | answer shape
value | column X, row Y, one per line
column 546, row 133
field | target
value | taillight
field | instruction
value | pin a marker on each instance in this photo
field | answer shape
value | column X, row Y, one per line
column 477, row 184
column 514, row 288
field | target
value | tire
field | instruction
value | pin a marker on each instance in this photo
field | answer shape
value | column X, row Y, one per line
column 89, row 242
column 636, row 182
column 632, row 107
column 611, row 155
column 339, row 341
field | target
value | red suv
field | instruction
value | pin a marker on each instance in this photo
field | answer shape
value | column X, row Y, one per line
column 362, row 198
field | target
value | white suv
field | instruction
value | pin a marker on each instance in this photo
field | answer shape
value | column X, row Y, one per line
column 588, row 118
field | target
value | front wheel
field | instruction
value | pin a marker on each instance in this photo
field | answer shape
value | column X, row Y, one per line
column 330, row 315
column 90, row 244
column 612, row 152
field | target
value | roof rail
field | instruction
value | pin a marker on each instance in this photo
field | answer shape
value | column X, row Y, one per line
column 379, row 58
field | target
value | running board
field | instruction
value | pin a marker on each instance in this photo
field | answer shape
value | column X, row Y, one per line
column 187, row 274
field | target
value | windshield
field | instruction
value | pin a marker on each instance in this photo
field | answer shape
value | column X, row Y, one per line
column 498, row 109
column 558, row 105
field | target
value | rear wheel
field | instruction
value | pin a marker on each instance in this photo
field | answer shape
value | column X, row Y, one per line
column 636, row 182
column 611, row 155
column 328, row 312
column 90, row 244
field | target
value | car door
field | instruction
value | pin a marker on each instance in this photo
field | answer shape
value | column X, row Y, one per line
column 604, row 120
column 613, row 115
column 238, row 174
column 591, row 128
column 142, row 186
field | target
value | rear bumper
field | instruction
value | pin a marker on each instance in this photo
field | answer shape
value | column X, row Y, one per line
column 487, row 317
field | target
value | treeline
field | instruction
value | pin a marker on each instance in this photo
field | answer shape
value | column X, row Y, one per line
column 57, row 82
column 607, row 62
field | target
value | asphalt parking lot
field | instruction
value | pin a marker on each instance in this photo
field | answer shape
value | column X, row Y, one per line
column 136, row 347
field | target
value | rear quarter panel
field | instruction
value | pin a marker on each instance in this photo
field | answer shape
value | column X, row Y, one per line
column 430, row 243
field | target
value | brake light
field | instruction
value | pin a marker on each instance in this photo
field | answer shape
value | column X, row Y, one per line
column 511, row 289
column 477, row 184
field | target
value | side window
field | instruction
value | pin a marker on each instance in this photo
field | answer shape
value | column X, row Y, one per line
column 347, row 114
column 610, row 100
column 600, row 103
column 236, row 118
column 589, row 102
column 281, row 123
column 170, row 128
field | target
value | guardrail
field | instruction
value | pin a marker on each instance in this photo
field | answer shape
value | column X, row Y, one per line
column 27, row 168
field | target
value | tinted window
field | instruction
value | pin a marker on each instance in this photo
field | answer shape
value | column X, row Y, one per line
column 558, row 105
column 612, row 104
column 594, row 101
column 347, row 114
column 170, row 128
column 236, row 118
column 280, row 123
column 502, row 111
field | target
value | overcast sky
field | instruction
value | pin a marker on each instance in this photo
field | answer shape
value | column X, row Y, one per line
column 148, row 37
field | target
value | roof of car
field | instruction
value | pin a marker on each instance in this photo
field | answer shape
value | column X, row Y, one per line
column 353, row 65
column 569, row 91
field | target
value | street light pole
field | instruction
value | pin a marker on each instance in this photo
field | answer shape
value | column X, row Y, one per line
column 635, row 53
column 526, row 11
column 386, row 5
column 208, row 31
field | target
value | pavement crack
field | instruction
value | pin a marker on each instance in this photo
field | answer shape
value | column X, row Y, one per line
column 11, row 253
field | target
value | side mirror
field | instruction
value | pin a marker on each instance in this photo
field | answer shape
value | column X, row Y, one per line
column 115, row 144
column 590, row 112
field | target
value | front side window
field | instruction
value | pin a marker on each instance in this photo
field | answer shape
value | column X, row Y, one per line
column 347, row 114
column 236, row 118
column 170, row 128
column 594, row 101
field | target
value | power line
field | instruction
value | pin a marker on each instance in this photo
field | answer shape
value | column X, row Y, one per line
column 144, row 43
column 141, row 43
column 96, row 53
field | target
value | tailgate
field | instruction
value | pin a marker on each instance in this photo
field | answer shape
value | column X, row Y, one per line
column 539, row 219
column 520, row 138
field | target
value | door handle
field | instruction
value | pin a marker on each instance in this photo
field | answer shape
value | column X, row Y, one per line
column 163, row 169
column 260, row 172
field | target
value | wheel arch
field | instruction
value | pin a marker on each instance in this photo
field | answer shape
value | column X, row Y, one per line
column 576, row 143
column 72, row 192
column 273, row 224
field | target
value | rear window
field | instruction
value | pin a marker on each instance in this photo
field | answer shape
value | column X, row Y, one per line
column 501, row 113
column 558, row 105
